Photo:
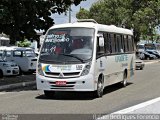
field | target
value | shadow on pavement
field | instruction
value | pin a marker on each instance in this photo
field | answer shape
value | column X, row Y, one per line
column 80, row 95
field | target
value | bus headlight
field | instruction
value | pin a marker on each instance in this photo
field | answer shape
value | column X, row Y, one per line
column 40, row 71
column 86, row 69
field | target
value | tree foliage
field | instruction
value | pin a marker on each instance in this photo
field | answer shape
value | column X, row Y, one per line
column 20, row 18
column 83, row 14
column 141, row 15
column 24, row 43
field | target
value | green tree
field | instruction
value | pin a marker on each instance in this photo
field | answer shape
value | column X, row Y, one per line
column 24, row 43
column 141, row 15
column 83, row 14
column 20, row 18
column 146, row 18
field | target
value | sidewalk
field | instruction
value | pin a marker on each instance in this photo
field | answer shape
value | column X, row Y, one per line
column 148, row 107
column 149, row 110
column 13, row 82
column 151, row 61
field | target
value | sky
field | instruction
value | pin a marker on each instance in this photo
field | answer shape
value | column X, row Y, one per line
column 59, row 19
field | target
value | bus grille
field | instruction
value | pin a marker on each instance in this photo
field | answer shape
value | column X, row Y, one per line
column 62, row 75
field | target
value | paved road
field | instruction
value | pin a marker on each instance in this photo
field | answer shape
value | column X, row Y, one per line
column 143, row 86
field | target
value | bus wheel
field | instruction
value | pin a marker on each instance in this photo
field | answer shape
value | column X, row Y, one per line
column 49, row 94
column 124, row 82
column 100, row 86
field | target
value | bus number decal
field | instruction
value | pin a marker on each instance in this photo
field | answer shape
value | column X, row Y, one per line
column 79, row 67
column 121, row 58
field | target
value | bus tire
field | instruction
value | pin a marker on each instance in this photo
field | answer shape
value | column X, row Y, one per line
column 124, row 82
column 1, row 74
column 49, row 94
column 100, row 85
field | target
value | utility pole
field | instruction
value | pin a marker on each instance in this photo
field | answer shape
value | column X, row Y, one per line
column 69, row 14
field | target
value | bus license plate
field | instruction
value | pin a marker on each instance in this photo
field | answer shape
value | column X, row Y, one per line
column 60, row 83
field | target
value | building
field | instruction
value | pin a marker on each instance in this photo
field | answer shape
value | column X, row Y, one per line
column 4, row 40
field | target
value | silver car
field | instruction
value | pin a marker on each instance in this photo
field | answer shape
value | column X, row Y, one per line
column 139, row 64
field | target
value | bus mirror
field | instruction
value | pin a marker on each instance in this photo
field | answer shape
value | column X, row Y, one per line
column 122, row 51
column 101, row 41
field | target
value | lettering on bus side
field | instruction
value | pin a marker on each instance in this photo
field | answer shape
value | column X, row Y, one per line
column 121, row 58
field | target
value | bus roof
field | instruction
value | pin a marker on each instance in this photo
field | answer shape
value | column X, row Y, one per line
column 99, row 27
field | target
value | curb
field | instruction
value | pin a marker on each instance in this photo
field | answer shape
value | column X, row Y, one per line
column 139, row 107
column 17, row 85
column 151, row 62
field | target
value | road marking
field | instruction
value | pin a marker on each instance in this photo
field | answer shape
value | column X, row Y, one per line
column 133, row 108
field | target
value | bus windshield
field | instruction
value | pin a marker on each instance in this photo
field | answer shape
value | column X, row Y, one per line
column 67, row 45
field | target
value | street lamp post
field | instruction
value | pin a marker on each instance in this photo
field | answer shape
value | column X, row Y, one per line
column 69, row 14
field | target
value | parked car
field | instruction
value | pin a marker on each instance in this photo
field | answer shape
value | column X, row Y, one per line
column 8, row 68
column 144, row 55
column 24, row 57
column 139, row 64
column 154, row 53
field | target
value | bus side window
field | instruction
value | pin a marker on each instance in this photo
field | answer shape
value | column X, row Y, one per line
column 100, row 45
column 107, row 43
column 113, row 44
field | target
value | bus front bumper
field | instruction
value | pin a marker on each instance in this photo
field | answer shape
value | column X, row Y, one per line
column 82, row 83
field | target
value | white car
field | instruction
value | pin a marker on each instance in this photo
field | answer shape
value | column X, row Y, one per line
column 139, row 64
column 8, row 68
column 24, row 57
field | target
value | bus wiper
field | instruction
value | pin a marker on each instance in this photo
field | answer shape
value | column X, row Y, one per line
column 73, row 57
column 46, row 60
column 44, row 53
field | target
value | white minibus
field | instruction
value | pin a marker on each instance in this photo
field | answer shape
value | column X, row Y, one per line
column 85, row 56
column 24, row 57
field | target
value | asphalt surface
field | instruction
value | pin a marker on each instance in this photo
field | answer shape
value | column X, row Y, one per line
column 142, row 87
column 17, row 79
